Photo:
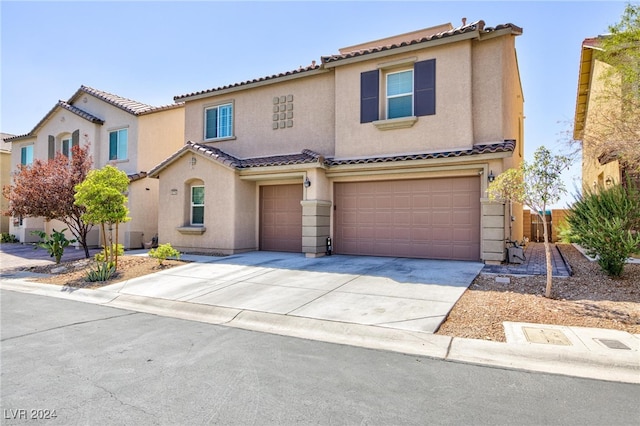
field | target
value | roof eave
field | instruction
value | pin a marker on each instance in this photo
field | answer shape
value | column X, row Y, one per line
column 582, row 95
column 402, row 49
column 250, row 85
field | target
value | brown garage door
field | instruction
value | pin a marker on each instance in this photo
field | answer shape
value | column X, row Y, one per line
column 424, row 218
column 281, row 218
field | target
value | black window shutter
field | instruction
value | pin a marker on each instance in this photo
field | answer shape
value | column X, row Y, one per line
column 52, row 147
column 75, row 138
column 369, row 89
column 425, row 87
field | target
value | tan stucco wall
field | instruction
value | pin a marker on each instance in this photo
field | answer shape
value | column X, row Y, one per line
column 593, row 173
column 436, row 132
column 230, row 208
column 160, row 134
column 5, row 179
column 313, row 118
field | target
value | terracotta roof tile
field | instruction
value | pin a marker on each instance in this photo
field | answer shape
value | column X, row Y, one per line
column 311, row 67
column 128, row 105
column 308, row 157
column 87, row 116
column 137, row 176
column 475, row 26
column 506, row 146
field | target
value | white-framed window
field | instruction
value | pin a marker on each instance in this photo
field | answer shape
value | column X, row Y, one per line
column 26, row 155
column 118, row 144
column 399, row 91
column 66, row 147
column 218, row 121
column 197, row 205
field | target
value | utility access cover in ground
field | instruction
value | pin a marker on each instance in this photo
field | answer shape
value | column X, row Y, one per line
column 546, row 335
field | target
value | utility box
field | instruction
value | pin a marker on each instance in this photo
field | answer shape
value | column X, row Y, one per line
column 516, row 254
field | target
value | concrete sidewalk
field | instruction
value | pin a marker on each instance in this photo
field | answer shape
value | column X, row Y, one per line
column 381, row 303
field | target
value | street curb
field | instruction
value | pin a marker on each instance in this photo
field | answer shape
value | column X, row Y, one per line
column 624, row 367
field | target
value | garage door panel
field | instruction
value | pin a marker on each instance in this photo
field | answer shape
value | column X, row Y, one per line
column 281, row 218
column 426, row 218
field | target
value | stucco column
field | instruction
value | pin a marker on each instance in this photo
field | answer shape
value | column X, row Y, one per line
column 493, row 233
column 316, row 216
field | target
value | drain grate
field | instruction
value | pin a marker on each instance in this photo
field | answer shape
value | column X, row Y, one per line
column 548, row 336
column 613, row 344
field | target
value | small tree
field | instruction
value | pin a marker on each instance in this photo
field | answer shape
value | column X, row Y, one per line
column 605, row 223
column 536, row 186
column 102, row 194
column 46, row 189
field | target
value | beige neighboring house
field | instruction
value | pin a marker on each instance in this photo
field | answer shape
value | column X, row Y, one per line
column 386, row 148
column 129, row 135
column 5, row 179
column 599, row 168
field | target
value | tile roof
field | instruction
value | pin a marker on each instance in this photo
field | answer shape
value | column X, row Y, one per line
column 87, row 116
column 125, row 104
column 128, row 105
column 309, row 157
column 137, row 176
column 475, row 26
column 506, row 146
column 300, row 70
column 305, row 157
column 60, row 104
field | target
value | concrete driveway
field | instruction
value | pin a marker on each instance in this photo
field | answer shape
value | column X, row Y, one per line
column 409, row 294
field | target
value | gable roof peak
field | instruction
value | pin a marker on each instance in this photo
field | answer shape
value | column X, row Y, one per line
column 128, row 105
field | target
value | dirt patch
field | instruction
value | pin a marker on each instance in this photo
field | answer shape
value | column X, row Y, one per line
column 589, row 298
column 74, row 273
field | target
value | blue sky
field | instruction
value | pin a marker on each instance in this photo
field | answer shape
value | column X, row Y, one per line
column 152, row 51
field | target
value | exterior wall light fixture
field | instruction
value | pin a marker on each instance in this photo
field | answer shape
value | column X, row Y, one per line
column 609, row 181
column 491, row 177
column 307, row 182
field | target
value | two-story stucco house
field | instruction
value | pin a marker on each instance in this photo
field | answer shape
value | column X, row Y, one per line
column 386, row 148
column 127, row 134
column 594, row 123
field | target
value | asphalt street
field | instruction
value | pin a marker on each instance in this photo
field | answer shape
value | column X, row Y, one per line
column 91, row 364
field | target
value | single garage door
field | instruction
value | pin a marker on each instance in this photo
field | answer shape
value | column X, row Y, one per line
column 422, row 218
column 281, row 218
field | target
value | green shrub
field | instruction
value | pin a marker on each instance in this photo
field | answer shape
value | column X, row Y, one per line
column 54, row 243
column 5, row 237
column 100, row 256
column 606, row 225
column 163, row 252
column 102, row 272
column 565, row 233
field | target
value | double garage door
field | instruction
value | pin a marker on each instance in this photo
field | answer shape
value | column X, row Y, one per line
column 421, row 218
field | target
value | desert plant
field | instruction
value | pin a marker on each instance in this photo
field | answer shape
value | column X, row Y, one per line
column 163, row 252
column 565, row 233
column 606, row 224
column 100, row 256
column 5, row 237
column 102, row 272
column 54, row 243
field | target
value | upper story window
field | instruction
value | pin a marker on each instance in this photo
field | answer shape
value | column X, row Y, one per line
column 218, row 122
column 118, row 144
column 26, row 155
column 407, row 92
column 197, row 205
column 400, row 94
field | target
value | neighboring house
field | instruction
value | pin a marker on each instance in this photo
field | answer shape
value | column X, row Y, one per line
column 386, row 147
column 129, row 135
column 5, row 179
column 600, row 167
